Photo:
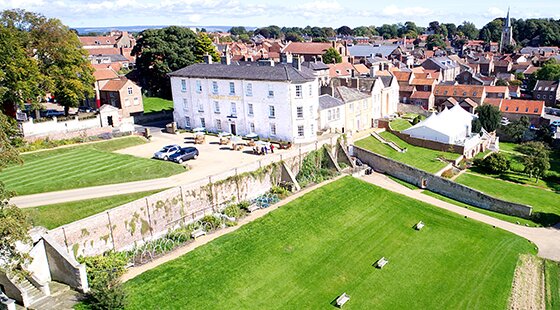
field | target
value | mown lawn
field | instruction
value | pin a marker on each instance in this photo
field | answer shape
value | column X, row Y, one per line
column 545, row 203
column 52, row 216
column 400, row 124
column 83, row 166
column 308, row 252
column 155, row 104
column 415, row 156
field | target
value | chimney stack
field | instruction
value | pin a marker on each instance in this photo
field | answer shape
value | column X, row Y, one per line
column 297, row 63
column 207, row 59
column 226, row 58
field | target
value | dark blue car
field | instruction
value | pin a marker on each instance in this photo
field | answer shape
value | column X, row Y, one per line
column 184, row 154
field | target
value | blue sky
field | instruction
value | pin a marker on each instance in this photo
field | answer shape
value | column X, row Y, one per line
column 335, row 13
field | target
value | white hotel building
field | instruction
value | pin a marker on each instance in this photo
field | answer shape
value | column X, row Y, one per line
column 277, row 101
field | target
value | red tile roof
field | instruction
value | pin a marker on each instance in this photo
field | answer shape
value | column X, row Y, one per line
column 99, row 40
column 421, row 95
column 114, row 85
column 497, row 102
column 496, row 89
column 422, row 81
column 307, row 48
column 340, row 69
column 472, row 91
column 105, row 74
column 361, row 68
column 520, row 106
column 402, row 75
column 103, row 51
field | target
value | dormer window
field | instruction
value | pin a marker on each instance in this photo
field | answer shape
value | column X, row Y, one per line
column 516, row 109
column 536, row 110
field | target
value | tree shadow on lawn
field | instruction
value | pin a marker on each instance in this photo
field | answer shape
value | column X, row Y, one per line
column 545, row 219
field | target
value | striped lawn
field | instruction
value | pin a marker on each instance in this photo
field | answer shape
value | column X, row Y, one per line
column 83, row 166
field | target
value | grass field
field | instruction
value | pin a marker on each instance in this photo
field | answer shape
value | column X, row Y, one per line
column 55, row 215
column 400, row 124
column 308, row 252
column 83, row 166
column 552, row 280
column 543, row 201
column 155, row 104
column 415, row 156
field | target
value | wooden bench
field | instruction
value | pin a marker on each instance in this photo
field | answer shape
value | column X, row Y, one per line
column 198, row 233
column 342, row 299
column 381, row 262
column 252, row 208
column 419, row 225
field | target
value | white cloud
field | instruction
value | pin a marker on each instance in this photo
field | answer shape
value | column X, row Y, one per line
column 494, row 12
column 395, row 11
column 194, row 18
column 320, row 6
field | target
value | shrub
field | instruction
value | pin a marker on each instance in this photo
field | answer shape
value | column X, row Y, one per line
column 494, row 163
column 211, row 222
column 233, row 211
column 448, row 174
column 281, row 192
column 104, row 272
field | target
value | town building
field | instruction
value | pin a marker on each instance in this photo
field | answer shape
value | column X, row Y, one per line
column 448, row 68
column 548, row 91
column 507, row 34
column 276, row 101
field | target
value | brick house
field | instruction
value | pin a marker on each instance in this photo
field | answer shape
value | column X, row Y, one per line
column 449, row 68
column 514, row 109
column 459, row 92
column 501, row 92
column 548, row 91
column 122, row 93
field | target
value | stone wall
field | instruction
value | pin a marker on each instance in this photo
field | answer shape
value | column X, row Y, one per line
column 132, row 224
column 440, row 185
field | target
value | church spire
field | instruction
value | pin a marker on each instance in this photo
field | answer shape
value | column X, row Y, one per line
column 508, row 22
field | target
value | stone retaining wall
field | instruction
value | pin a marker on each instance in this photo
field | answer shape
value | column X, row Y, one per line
column 440, row 185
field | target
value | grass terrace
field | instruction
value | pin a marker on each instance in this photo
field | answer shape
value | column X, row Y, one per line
column 415, row 156
column 308, row 252
column 55, row 215
column 155, row 104
column 400, row 124
column 545, row 203
column 83, row 166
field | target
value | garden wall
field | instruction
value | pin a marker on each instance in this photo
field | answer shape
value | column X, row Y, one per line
column 440, row 185
column 134, row 223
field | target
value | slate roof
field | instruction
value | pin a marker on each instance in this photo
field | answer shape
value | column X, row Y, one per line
column 366, row 50
column 254, row 72
column 386, row 80
column 328, row 101
column 543, row 85
column 349, row 94
column 443, row 62
column 315, row 66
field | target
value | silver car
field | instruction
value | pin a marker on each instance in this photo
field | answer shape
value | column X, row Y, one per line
column 167, row 151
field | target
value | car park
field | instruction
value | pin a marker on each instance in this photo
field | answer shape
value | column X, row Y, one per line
column 167, row 151
column 53, row 113
column 184, row 154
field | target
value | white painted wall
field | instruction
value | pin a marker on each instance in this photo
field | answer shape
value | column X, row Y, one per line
column 196, row 105
column 31, row 128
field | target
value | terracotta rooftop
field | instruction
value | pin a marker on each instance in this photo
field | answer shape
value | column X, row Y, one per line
column 114, row 85
column 307, row 48
column 98, row 40
column 520, row 106
column 421, row 95
column 496, row 89
column 420, row 81
column 402, row 75
column 473, row 91
column 105, row 74
column 497, row 102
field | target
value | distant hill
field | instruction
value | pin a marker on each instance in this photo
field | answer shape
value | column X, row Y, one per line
column 84, row 30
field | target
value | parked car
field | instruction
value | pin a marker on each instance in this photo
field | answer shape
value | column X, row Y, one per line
column 555, row 123
column 184, row 154
column 167, row 151
column 53, row 113
column 85, row 109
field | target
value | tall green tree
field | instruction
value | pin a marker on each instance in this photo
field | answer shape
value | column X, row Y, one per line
column 536, row 161
column 159, row 52
column 203, row 46
column 14, row 225
column 517, row 128
column 492, row 32
column 331, row 56
column 435, row 40
column 550, row 71
column 62, row 61
column 489, row 117
column 469, row 30
column 20, row 80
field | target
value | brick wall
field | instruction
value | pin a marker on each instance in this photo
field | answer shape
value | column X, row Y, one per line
column 440, row 185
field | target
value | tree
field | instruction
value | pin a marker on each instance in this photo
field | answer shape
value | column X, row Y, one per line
column 435, row 40
column 502, row 82
column 495, row 163
column 388, row 31
column 489, row 117
column 469, row 30
column 331, row 56
column 536, row 161
column 14, row 225
column 345, row 31
column 292, row 36
column 20, row 80
column 235, row 31
column 550, row 71
column 62, row 61
column 203, row 46
column 517, row 128
column 492, row 32
column 159, row 52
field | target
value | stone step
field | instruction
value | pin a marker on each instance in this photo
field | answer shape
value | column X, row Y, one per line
column 58, row 288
